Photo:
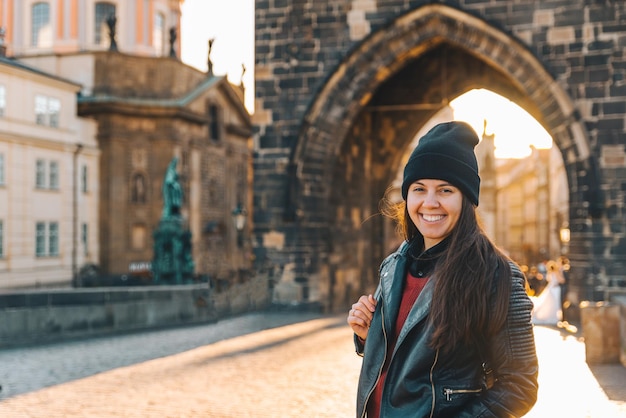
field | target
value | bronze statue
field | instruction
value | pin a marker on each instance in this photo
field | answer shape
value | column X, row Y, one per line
column 172, row 261
column 172, row 192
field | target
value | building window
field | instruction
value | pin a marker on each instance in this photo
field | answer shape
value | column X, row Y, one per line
column 2, row 177
column 46, row 239
column 53, row 239
column 138, row 189
column 54, row 112
column 41, row 109
column 103, row 12
column 41, row 34
column 3, row 100
column 47, row 111
column 40, row 239
column 54, row 175
column 214, row 122
column 47, row 179
column 84, row 174
column 40, row 175
column 158, row 34
column 1, row 239
column 85, row 238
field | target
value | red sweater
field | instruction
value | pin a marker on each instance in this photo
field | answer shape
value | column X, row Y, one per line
column 412, row 288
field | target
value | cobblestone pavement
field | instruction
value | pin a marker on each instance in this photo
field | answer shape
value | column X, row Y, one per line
column 31, row 368
column 258, row 365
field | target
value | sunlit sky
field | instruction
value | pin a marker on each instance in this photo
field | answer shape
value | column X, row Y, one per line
column 231, row 24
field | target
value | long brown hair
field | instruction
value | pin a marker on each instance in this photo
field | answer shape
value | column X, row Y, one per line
column 473, row 280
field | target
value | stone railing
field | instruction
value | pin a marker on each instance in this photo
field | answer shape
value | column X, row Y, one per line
column 47, row 315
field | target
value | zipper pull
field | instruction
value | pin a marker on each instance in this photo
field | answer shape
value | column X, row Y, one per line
column 448, row 393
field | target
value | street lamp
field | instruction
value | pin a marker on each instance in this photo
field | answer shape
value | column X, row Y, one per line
column 564, row 236
column 239, row 220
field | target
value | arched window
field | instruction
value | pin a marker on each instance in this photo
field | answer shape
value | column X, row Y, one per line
column 103, row 12
column 138, row 189
column 41, row 34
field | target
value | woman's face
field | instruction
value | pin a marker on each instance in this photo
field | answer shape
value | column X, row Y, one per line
column 434, row 206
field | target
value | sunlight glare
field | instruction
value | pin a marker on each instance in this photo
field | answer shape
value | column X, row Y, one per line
column 231, row 24
column 515, row 130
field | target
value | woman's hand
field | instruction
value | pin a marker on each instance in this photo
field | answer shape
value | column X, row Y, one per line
column 360, row 316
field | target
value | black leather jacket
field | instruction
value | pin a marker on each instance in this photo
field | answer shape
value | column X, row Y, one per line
column 422, row 382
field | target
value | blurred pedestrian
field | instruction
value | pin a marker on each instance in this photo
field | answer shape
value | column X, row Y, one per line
column 547, row 306
column 564, row 267
column 536, row 281
column 448, row 331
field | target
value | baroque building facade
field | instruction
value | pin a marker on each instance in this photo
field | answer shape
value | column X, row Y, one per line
column 147, row 108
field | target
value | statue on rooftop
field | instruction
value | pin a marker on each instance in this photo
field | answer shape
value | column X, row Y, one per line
column 209, row 62
column 111, row 23
column 173, row 36
column 243, row 72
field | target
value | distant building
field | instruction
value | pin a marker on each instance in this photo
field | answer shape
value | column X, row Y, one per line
column 532, row 206
column 49, row 179
column 148, row 108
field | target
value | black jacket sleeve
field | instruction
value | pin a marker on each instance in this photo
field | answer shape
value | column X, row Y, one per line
column 512, row 355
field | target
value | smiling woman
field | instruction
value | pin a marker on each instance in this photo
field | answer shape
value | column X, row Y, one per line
column 446, row 322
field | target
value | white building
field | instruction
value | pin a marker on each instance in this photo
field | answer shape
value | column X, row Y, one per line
column 49, row 157
column 48, row 179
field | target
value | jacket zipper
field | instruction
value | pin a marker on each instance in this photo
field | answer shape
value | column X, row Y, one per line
column 432, row 384
column 380, row 370
column 450, row 392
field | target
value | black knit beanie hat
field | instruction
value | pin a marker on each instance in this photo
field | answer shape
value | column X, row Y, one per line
column 446, row 152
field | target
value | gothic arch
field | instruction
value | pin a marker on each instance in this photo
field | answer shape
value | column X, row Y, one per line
column 350, row 88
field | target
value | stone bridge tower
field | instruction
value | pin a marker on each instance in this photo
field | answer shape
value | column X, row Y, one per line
column 342, row 87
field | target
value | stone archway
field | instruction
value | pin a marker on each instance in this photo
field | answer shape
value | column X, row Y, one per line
column 338, row 121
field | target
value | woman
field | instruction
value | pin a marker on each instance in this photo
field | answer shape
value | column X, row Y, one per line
column 448, row 331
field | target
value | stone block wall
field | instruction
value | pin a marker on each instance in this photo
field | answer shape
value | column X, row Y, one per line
column 303, row 47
